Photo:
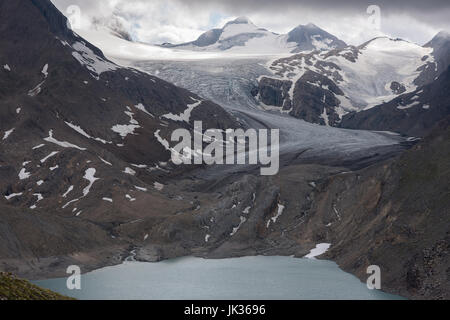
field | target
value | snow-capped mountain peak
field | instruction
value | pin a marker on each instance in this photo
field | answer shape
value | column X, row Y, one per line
column 242, row 36
column 241, row 20
column 311, row 37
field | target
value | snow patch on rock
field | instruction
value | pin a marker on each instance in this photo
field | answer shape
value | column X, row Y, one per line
column 8, row 133
column 186, row 115
column 63, row 144
column 320, row 249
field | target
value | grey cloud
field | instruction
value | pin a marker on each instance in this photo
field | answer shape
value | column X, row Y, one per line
column 415, row 20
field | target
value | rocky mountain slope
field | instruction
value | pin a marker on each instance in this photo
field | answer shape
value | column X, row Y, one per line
column 242, row 36
column 441, row 47
column 323, row 87
column 82, row 141
column 399, row 221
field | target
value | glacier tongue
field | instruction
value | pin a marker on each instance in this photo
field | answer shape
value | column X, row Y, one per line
column 228, row 82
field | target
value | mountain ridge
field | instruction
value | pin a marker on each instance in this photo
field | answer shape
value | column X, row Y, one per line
column 301, row 38
column 323, row 87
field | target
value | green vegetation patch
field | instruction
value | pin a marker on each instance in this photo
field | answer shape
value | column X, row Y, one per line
column 13, row 288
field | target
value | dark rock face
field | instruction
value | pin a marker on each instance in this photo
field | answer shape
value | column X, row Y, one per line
column 396, row 215
column 315, row 100
column 305, row 35
column 397, row 88
column 441, row 50
column 314, row 97
column 274, row 92
column 412, row 114
column 208, row 38
column 441, row 54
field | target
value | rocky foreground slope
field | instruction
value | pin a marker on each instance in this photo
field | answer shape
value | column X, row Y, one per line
column 13, row 288
column 81, row 140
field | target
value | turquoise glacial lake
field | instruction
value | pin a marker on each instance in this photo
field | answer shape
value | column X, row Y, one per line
column 248, row 278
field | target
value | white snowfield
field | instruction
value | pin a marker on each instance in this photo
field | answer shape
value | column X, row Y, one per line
column 118, row 49
column 241, row 25
column 383, row 61
column 90, row 60
column 245, row 39
column 260, row 40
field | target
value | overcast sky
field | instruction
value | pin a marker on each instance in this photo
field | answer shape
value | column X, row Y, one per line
column 158, row 21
